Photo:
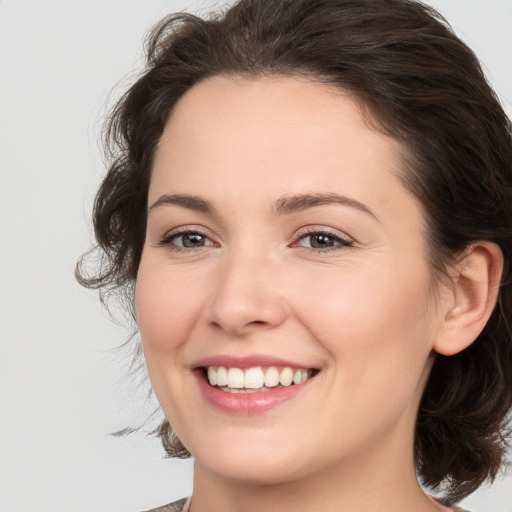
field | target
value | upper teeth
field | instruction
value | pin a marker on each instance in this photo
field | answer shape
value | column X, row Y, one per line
column 256, row 377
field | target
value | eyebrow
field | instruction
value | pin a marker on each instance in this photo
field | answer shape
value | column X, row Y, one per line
column 284, row 205
column 185, row 201
column 297, row 203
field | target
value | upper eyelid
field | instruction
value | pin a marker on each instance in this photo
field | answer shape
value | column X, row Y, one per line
column 311, row 230
column 189, row 228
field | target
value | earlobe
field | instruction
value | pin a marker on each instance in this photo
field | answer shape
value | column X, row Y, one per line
column 472, row 298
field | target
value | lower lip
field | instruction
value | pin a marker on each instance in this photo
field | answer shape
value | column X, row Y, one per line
column 248, row 403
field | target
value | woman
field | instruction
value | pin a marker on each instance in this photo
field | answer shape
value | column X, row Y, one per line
column 310, row 207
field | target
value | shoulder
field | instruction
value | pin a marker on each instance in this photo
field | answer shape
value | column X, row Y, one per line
column 177, row 506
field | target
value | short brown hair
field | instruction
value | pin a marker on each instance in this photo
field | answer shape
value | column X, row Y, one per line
column 421, row 85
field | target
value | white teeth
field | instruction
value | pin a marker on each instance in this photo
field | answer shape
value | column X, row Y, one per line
column 256, row 377
column 286, row 377
column 271, row 377
column 222, row 376
column 212, row 376
column 236, row 378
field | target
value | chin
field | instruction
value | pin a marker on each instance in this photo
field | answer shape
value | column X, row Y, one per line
column 255, row 472
column 252, row 462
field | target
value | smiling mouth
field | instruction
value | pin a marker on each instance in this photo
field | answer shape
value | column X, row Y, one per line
column 255, row 379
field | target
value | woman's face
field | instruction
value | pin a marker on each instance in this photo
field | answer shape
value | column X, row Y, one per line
column 281, row 245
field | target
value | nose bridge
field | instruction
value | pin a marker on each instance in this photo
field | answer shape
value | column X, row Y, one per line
column 247, row 293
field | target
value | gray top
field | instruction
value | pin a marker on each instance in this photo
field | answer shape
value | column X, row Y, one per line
column 177, row 506
column 183, row 505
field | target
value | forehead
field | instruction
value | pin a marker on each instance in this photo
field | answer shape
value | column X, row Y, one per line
column 279, row 134
column 253, row 113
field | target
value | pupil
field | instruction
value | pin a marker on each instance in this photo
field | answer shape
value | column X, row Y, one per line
column 193, row 240
column 320, row 241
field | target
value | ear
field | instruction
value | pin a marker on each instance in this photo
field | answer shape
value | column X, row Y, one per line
column 469, row 302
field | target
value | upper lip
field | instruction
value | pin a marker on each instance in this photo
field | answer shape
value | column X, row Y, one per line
column 246, row 362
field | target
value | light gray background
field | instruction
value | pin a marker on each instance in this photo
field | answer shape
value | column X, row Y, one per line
column 63, row 388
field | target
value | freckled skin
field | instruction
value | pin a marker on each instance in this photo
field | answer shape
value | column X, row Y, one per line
column 363, row 315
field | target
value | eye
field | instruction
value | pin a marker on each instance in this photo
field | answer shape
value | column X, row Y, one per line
column 319, row 240
column 186, row 240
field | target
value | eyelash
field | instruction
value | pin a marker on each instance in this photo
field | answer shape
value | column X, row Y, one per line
column 340, row 242
column 168, row 239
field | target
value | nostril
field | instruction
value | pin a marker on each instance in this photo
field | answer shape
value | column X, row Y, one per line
column 237, row 312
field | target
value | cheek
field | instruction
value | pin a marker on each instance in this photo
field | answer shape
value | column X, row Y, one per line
column 167, row 304
column 377, row 318
column 378, row 333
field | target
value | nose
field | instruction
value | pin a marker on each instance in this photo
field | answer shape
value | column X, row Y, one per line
column 247, row 296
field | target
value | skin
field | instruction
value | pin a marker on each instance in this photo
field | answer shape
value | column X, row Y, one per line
column 363, row 314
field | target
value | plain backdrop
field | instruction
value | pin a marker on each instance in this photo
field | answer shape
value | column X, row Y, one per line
column 63, row 386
